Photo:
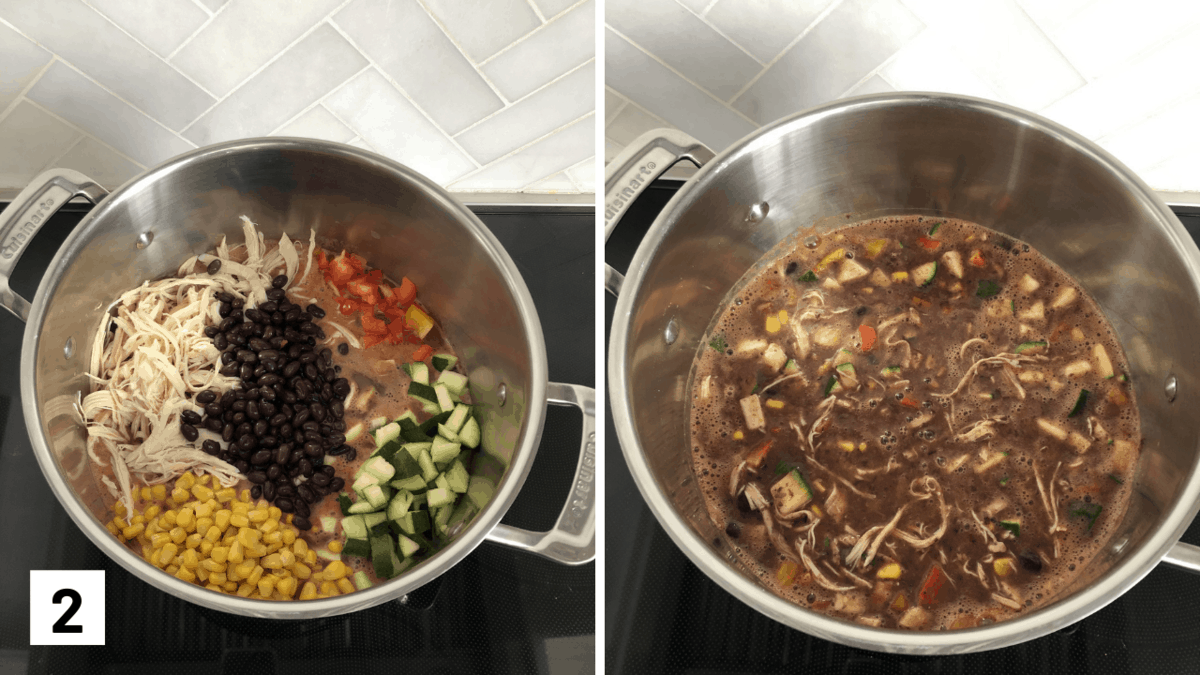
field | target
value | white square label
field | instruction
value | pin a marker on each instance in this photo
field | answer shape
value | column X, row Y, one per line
column 66, row 607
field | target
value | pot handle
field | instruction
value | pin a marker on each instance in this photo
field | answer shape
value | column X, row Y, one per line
column 572, row 540
column 1184, row 556
column 27, row 213
column 631, row 172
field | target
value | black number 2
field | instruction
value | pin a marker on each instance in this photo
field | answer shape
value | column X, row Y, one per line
column 61, row 626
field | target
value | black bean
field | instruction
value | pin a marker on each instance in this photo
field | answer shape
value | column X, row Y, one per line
column 277, row 341
column 246, row 372
column 214, row 266
column 209, row 331
column 258, row 344
column 244, row 428
column 341, row 387
column 227, row 323
column 241, row 465
column 268, row 354
column 300, row 417
column 320, row 490
column 210, row 446
column 255, row 491
column 310, row 371
column 247, row 442
column 288, row 396
column 290, row 370
column 224, row 296
column 301, row 508
column 311, row 425
column 277, row 318
column 282, row 453
column 299, row 436
column 261, row 427
column 284, row 504
column 279, row 281
column 246, row 356
column 269, row 307
column 270, row 379
column 228, row 357
column 328, row 375
column 228, row 416
column 274, row 472
column 278, row 419
column 313, row 449
column 287, row 490
column 343, row 349
column 336, row 483
column 267, row 408
column 339, row 425
column 214, row 424
column 320, row 479
column 269, row 491
column 260, row 458
column 309, row 329
column 339, row 450
column 224, row 309
column 335, row 438
column 327, row 470
column 313, row 436
column 276, row 294
column 306, row 467
column 733, row 528
column 213, row 408
column 337, row 409
column 252, row 410
column 301, row 523
column 227, row 432
column 295, row 316
column 352, row 454
column 191, row 417
column 254, row 314
column 230, row 370
column 297, row 455
column 326, row 393
column 239, row 419
column 306, row 493
column 1030, row 561
column 327, row 354
column 257, row 477
column 236, row 339
column 205, row 397
column 190, row 433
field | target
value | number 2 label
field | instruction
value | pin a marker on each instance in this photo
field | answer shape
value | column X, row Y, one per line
column 66, row 607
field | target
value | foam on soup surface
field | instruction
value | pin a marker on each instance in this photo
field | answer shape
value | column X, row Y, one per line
column 913, row 422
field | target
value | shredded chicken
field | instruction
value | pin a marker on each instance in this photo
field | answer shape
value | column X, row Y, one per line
column 145, row 370
column 1048, row 501
column 933, row 489
column 818, row 575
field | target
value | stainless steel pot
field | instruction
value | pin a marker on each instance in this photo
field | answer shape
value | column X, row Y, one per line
column 400, row 221
column 892, row 154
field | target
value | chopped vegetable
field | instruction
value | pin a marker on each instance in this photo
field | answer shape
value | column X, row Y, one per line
column 851, row 271
column 1103, row 363
column 1079, row 403
column 808, row 276
column 1036, row 312
column 932, row 585
column 1031, row 347
column 752, row 410
column 832, row 257
column 908, row 402
column 1052, row 429
column 759, row 454
column 889, row 571
column 1028, row 284
column 1065, row 297
column 976, row 259
column 987, row 289
column 868, row 336
column 923, row 275
column 928, row 244
column 1089, row 512
column 782, row 468
column 787, row 573
column 1003, row 566
column 933, row 230
column 1077, row 368
column 875, row 247
column 1115, row 479
column 718, row 343
column 899, row 276
column 774, row 357
column 791, row 493
column 832, row 385
column 1012, row 526
column 953, row 262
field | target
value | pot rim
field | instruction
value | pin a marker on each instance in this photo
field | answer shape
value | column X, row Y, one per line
column 424, row 572
column 1115, row 582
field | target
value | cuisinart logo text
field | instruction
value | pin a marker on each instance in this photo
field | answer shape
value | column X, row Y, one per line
column 16, row 239
column 627, row 193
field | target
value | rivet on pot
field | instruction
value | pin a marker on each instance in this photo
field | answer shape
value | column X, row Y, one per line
column 758, row 212
column 144, row 239
column 69, row 348
column 502, row 393
column 672, row 332
column 1171, row 388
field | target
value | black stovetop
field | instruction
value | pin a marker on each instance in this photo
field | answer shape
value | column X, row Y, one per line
column 498, row 611
column 662, row 615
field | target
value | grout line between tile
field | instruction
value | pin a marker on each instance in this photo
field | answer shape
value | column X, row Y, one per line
column 1050, row 40
column 523, row 147
column 617, row 113
column 318, row 101
column 680, row 75
column 567, row 172
column 349, row 126
column 536, row 11
column 153, row 53
column 85, row 133
column 521, row 39
column 21, row 95
column 526, row 96
column 878, row 70
column 397, row 87
column 634, row 104
column 327, row 19
column 53, row 163
column 212, row 16
column 815, row 22
column 718, row 31
column 446, row 32
column 709, row 7
column 206, row 10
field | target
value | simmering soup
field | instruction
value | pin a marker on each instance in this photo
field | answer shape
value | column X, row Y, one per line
column 913, row 422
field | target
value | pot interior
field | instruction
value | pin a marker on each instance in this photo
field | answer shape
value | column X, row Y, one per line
column 918, row 154
column 397, row 220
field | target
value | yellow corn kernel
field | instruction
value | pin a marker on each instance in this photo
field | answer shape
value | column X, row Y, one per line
column 178, row 534
column 218, row 578
column 248, row 536
column 159, row 538
column 236, row 552
column 212, row 534
column 225, row 494
column 772, row 324
column 310, row 557
column 245, row 496
column 193, row 540
column 274, row 512
column 221, row 518
column 1003, row 566
column 186, row 481
column 335, row 570
column 146, row 494
column 255, row 575
column 119, row 509
column 269, row 526
column 186, row 574
column 245, row 568
column 289, row 536
column 205, row 480
column 167, row 552
column 169, row 519
column 245, row 590
column 239, row 520
column 159, row 491
column 133, row 530
column 186, row 517
column 191, row 559
column 345, row 586
column 152, row 512
column 274, row 537
column 328, row 588
column 179, row 495
column 172, row 569
column 738, row 435
column 267, row 584
column 230, row 586
column 308, row 591
column 272, row 562
column 286, row 587
column 231, row 573
column 138, row 519
column 202, row 524
column 204, row 510
column 335, row 546
column 301, row 571
column 212, row 565
column 257, row 515
column 300, row 547
column 286, row 557
column 262, row 504
column 121, row 523
column 206, row 547
column 112, row 527
column 202, row 574
column 258, row 551
column 153, row 527
column 889, row 571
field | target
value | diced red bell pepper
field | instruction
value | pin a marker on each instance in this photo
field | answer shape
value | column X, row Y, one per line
column 933, row 584
column 906, row 401
column 759, row 455
column 976, row 258
column 341, row 270
column 348, row 306
column 322, row 261
column 868, row 337
column 406, row 293
column 396, row 314
column 364, row 289
column 357, row 263
column 372, row 339
column 371, row 324
column 929, row 244
column 423, row 352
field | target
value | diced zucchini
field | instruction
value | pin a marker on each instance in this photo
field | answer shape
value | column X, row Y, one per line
column 1029, row 284
column 1079, row 442
column 1077, row 368
column 443, row 397
column 752, row 410
column 376, row 496
column 385, row 433
column 444, row 361
column 364, row 481
column 455, row 382
column 429, row 426
column 380, row 468
column 373, row 520
column 377, row 422
column 361, row 507
column 354, row 432
column 423, row 392
column 360, row 548
column 408, row 547
column 328, row 555
column 458, row 417
column 1035, row 313
column 361, row 582
column 747, row 346
column 1031, row 347
column 457, row 477
column 382, row 551
column 328, row 524
column 833, row 385
column 1103, row 363
column 479, row 491
column 442, row 519
column 354, row 527
column 414, row 449
column 953, row 262
column 418, row 371
column 428, row 470
column 469, row 435
column 399, row 505
column 447, row 433
column 1079, row 403
column 364, row 399
column 439, row 497
column 420, row 522
column 1052, row 429
column 444, row 450
column 851, row 270
column 791, row 493
column 408, row 420
column 415, row 483
column 774, row 357
column 922, row 275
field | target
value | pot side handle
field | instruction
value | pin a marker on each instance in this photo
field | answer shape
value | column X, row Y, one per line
column 27, row 213
column 572, row 540
column 1184, row 556
column 634, row 169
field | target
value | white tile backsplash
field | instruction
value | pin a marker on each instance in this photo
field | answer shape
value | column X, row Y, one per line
column 135, row 83
column 1118, row 73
